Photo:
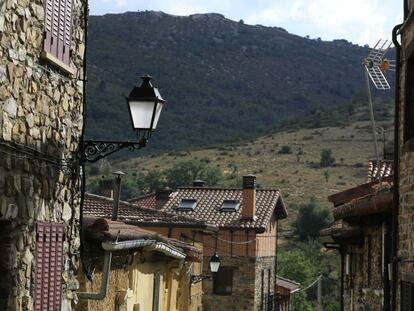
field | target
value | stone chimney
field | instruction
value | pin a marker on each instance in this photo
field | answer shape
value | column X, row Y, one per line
column 199, row 183
column 249, row 196
column 106, row 188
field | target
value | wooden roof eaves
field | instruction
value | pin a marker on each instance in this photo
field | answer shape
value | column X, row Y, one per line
column 348, row 195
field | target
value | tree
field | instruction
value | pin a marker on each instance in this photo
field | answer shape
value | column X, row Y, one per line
column 184, row 173
column 296, row 266
column 327, row 158
column 285, row 149
column 310, row 220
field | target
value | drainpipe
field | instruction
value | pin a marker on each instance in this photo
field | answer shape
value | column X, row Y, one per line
column 110, row 247
column 395, row 210
column 105, row 281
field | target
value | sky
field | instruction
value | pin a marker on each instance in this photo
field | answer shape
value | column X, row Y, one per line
column 359, row 21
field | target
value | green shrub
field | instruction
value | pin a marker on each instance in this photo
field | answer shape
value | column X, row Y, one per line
column 327, row 158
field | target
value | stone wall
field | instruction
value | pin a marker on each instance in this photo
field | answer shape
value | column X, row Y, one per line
column 265, row 283
column 406, row 206
column 363, row 290
column 243, row 295
column 41, row 119
column 247, row 292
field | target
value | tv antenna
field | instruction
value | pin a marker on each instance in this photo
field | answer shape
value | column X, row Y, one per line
column 375, row 65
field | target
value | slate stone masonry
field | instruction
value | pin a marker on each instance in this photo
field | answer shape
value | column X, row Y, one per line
column 247, row 292
column 41, row 122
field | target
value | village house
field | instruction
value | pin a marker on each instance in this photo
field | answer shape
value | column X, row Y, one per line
column 42, row 81
column 285, row 290
column 130, row 268
column 170, row 226
column 246, row 241
column 403, row 247
column 362, row 235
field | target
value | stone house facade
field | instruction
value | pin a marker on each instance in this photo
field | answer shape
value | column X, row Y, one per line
column 362, row 234
column 42, row 58
column 403, row 265
column 246, row 242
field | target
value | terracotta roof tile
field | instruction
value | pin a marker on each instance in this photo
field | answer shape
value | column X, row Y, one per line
column 98, row 206
column 147, row 201
column 286, row 283
column 386, row 168
column 210, row 200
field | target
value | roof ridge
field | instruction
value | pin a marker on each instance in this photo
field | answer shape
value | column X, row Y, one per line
column 142, row 196
column 287, row 280
column 223, row 188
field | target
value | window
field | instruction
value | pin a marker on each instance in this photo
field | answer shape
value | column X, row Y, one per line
column 57, row 32
column 187, row 205
column 223, row 281
column 230, row 206
column 407, row 302
column 409, row 104
column 49, row 266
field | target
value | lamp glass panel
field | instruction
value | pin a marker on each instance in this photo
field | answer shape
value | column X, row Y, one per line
column 214, row 266
column 141, row 113
column 157, row 115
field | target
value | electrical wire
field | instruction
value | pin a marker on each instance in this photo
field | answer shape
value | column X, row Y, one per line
column 25, row 153
column 310, row 285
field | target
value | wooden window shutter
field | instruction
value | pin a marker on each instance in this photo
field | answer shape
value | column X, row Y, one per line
column 49, row 266
column 58, row 29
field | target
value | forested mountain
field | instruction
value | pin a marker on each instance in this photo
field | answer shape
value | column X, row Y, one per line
column 223, row 80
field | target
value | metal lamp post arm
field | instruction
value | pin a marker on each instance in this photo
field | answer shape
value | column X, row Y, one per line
column 94, row 150
column 199, row 278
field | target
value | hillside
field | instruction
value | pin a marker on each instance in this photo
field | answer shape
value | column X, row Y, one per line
column 297, row 173
column 224, row 81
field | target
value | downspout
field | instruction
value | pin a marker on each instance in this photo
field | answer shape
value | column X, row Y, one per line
column 395, row 210
column 105, row 281
column 111, row 247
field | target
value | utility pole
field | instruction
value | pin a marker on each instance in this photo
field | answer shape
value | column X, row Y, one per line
column 320, row 293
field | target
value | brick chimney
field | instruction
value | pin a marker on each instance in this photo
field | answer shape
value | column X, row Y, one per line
column 249, row 196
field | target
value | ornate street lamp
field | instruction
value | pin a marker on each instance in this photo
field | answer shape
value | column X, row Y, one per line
column 214, row 263
column 214, row 267
column 145, row 105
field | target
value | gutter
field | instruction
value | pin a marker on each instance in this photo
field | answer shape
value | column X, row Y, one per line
column 395, row 211
column 110, row 247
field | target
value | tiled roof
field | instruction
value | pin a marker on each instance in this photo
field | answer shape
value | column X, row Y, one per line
column 210, row 200
column 386, row 168
column 102, row 229
column 98, row 206
column 148, row 201
column 286, row 283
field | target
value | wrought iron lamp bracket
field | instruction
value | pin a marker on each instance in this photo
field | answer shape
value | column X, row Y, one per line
column 199, row 278
column 94, row 150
